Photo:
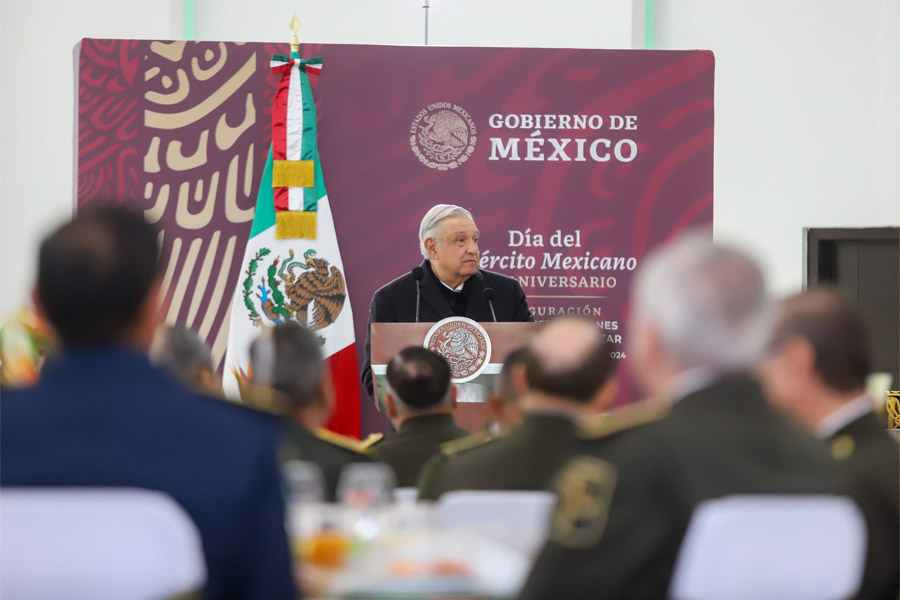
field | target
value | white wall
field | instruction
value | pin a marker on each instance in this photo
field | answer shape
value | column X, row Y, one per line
column 517, row 23
column 807, row 103
column 806, row 93
column 36, row 114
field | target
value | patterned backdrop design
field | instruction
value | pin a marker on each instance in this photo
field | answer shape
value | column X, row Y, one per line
column 182, row 129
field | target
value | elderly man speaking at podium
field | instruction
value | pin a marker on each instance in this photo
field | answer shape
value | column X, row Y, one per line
column 448, row 283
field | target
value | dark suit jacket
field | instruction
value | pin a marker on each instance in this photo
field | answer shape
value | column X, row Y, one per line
column 873, row 463
column 107, row 418
column 645, row 482
column 396, row 303
column 299, row 443
column 526, row 459
column 417, row 440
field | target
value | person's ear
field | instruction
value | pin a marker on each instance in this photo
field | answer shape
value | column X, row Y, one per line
column 454, row 394
column 606, row 395
column 431, row 248
column 212, row 385
column 646, row 355
column 38, row 305
column 519, row 379
column 150, row 316
column 654, row 341
column 39, row 311
column 496, row 405
column 798, row 358
column 390, row 406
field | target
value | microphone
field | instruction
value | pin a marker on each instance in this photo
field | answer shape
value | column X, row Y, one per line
column 418, row 274
column 488, row 294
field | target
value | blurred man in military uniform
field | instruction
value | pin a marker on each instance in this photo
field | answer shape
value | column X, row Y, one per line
column 420, row 404
column 567, row 368
column 700, row 318
column 815, row 370
column 289, row 363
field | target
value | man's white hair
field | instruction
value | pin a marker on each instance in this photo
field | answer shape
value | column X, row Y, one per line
column 431, row 223
column 709, row 302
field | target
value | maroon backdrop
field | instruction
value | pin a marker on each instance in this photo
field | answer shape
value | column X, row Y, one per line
column 182, row 130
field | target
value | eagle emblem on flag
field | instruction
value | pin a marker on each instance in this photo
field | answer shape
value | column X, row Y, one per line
column 289, row 288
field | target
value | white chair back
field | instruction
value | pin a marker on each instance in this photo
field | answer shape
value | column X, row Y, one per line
column 79, row 543
column 764, row 547
column 518, row 519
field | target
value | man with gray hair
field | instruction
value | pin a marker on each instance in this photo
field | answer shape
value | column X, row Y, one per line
column 701, row 317
column 288, row 364
column 448, row 282
column 420, row 405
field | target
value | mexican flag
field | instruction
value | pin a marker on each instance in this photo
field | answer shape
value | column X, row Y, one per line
column 292, row 267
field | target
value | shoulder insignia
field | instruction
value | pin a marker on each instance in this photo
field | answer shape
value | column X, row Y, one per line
column 467, row 443
column 621, row 419
column 348, row 443
column 585, row 490
column 842, row 447
column 370, row 442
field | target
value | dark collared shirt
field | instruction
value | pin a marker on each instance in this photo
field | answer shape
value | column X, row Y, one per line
column 458, row 301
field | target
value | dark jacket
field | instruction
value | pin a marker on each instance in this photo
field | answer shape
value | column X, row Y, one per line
column 108, row 418
column 626, row 502
column 396, row 303
column 417, row 440
column 872, row 459
column 299, row 443
column 526, row 459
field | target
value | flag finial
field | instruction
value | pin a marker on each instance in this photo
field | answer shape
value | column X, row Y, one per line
column 295, row 27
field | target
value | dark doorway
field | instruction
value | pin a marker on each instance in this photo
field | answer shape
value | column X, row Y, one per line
column 864, row 265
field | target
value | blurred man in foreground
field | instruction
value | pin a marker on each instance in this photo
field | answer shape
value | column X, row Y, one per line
column 568, row 370
column 289, row 361
column 103, row 416
column 700, row 319
column 815, row 370
column 420, row 404
column 182, row 353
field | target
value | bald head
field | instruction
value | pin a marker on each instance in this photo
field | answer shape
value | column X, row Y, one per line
column 568, row 359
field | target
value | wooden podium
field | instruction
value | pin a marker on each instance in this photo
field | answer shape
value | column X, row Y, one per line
column 388, row 339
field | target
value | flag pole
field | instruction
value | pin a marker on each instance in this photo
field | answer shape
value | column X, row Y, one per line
column 426, row 6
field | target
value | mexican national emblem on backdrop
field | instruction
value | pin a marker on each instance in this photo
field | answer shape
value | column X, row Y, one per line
column 443, row 136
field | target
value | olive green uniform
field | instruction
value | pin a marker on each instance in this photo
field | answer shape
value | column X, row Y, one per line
column 525, row 459
column 625, row 504
column 872, row 458
column 299, row 443
column 417, row 440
